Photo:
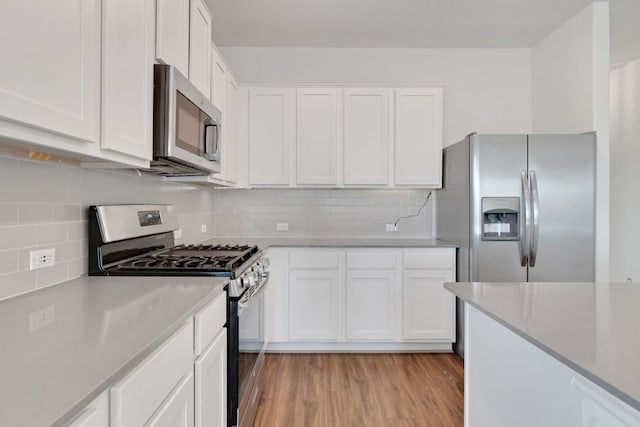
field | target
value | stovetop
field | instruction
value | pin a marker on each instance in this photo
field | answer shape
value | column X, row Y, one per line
column 185, row 258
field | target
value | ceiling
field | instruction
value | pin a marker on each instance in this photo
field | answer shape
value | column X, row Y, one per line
column 410, row 23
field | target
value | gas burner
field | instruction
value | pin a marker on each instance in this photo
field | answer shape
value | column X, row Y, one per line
column 221, row 248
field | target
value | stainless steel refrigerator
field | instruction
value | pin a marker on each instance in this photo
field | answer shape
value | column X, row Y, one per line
column 520, row 208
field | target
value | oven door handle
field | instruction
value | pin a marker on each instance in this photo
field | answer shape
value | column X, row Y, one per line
column 243, row 304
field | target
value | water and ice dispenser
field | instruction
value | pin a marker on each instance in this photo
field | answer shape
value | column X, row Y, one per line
column 500, row 218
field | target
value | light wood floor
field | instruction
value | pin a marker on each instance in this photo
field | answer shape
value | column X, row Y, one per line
column 309, row 390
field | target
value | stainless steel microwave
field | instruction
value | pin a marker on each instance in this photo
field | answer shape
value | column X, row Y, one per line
column 186, row 127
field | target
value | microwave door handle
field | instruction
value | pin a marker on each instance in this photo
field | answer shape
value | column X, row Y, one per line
column 211, row 140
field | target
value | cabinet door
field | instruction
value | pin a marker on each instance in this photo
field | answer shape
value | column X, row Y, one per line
column 172, row 33
column 50, row 73
column 428, row 307
column 418, row 137
column 211, row 384
column 270, row 133
column 128, row 30
column 178, row 409
column 230, row 142
column 366, row 136
column 219, row 74
column 371, row 304
column 313, row 305
column 95, row 414
column 200, row 47
column 317, row 136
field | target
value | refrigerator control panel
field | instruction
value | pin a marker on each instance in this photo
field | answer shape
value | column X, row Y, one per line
column 500, row 218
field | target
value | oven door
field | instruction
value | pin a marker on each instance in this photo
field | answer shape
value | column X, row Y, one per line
column 245, row 356
column 251, row 349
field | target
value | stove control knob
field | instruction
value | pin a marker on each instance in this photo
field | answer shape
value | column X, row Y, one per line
column 252, row 276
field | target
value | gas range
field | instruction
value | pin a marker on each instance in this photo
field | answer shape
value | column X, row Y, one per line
column 137, row 240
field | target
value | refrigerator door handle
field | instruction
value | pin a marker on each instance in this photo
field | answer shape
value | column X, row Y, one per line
column 525, row 222
column 535, row 218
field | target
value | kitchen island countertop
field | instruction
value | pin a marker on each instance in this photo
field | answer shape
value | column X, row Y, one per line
column 591, row 328
column 364, row 242
column 62, row 346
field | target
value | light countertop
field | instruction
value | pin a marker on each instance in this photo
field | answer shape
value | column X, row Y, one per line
column 403, row 242
column 592, row 328
column 62, row 346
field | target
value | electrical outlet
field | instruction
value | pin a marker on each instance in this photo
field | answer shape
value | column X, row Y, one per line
column 392, row 227
column 203, row 228
column 42, row 259
column 282, row 226
column 41, row 318
column 177, row 234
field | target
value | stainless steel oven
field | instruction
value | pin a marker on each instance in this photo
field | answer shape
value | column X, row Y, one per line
column 186, row 126
column 246, row 353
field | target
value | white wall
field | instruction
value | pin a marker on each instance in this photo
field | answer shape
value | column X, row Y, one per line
column 486, row 90
column 570, row 94
column 44, row 205
column 625, row 173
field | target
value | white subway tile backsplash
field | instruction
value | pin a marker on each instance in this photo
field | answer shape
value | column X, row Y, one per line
column 45, row 205
column 17, row 237
column 67, row 212
column 77, row 230
column 77, row 267
column 51, row 233
column 320, row 212
column 8, row 261
column 34, row 213
column 51, row 275
column 16, row 283
column 8, row 214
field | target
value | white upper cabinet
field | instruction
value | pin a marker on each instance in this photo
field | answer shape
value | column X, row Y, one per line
column 50, row 73
column 230, row 164
column 366, row 136
column 270, row 133
column 200, row 47
column 172, row 33
column 353, row 137
column 219, row 76
column 317, row 136
column 128, row 33
column 418, row 137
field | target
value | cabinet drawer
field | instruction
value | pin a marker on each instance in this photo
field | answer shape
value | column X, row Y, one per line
column 314, row 259
column 209, row 321
column 429, row 258
column 140, row 393
column 371, row 259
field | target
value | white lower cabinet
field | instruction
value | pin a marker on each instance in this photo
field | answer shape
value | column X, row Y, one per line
column 313, row 305
column 371, row 304
column 428, row 308
column 177, row 410
column 352, row 299
column 183, row 383
column 211, row 383
column 95, row 414
column 135, row 398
